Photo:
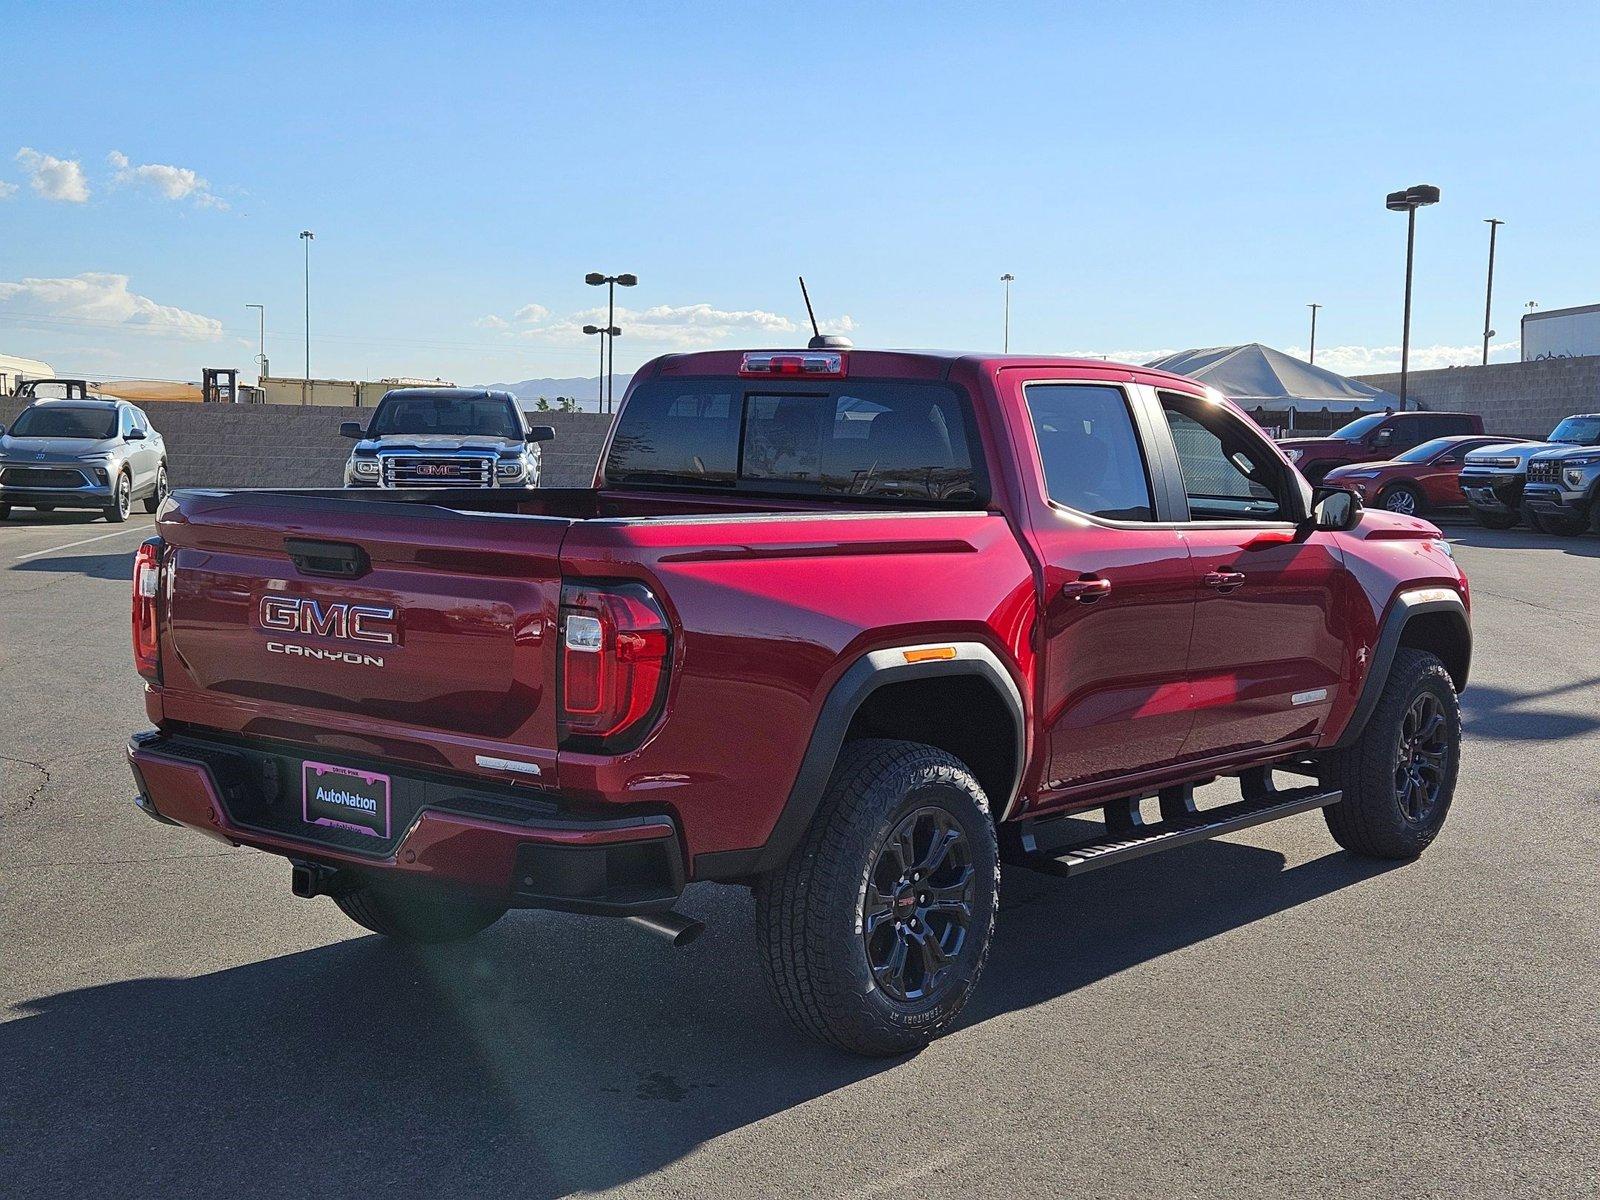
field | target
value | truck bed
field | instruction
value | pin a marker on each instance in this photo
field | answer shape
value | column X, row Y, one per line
column 765, row 602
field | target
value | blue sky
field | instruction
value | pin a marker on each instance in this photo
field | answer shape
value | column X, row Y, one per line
column 1157, row 176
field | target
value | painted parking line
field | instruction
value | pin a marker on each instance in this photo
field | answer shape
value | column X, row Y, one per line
column 83, row 542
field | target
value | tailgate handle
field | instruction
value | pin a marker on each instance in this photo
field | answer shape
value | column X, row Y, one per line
column 338, row 560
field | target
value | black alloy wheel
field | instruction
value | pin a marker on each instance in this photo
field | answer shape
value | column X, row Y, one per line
column 918, row 905
column 1422, row 759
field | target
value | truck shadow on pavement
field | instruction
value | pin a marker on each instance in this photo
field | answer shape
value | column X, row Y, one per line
column 549, row 1055
column 1584, row 545
column 91, row 566
column 1493, row 711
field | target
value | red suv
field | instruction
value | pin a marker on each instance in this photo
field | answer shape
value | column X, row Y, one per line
column 1375, row 438
column 849, row 628
column 1425, row 478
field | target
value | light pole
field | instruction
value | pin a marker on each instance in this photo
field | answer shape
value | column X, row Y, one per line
column 1488, row 292
column 1313, row 308
column 1408, row 201
column 605, row 331
column 307, row 237
column 261, row 341
column 595, row 279
column 1008, row 279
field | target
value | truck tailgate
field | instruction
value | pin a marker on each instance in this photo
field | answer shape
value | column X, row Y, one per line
column 409, row 631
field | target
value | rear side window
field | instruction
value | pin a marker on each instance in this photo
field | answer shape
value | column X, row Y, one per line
column 871, row 438
column 1090, row 450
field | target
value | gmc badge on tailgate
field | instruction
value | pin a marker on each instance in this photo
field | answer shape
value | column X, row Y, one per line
column 369, row 623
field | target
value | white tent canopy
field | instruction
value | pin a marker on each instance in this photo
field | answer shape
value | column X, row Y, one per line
column 1254, row 376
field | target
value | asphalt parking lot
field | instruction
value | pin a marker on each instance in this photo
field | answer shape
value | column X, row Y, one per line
column 1257, row 1016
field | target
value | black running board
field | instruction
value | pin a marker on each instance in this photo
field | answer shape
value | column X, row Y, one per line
column 1173, row 831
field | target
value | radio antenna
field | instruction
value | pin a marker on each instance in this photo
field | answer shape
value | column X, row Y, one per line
column 806, row 296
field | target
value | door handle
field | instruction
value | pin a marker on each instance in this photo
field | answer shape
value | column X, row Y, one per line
column 1086, row 590
column 1224, row 580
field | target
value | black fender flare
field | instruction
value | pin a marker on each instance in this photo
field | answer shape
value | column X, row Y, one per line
column 873, row 670
column 1407, row 606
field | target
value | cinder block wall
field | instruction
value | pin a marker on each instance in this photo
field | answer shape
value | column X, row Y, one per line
column 280, row 445
column 1520, row 398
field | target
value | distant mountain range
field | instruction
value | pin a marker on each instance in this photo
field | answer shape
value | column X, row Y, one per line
column 585, row 391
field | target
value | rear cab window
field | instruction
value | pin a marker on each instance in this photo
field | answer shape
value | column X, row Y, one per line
column 1090, row 450
column 873, row 438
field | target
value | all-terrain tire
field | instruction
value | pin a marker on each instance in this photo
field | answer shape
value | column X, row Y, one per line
column 1377, row 816
column 1494, row 520
column 415, row 913
column 821, row 922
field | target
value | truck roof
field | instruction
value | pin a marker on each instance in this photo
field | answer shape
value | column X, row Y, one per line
column 923, row 364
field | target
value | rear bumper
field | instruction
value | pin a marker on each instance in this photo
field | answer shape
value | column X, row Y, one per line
column 617, row 866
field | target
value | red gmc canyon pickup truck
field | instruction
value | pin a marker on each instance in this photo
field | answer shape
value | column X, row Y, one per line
column 851, row 628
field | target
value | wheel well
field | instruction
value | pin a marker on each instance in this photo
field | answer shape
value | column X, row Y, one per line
column 1446, row 635
column 961, row 714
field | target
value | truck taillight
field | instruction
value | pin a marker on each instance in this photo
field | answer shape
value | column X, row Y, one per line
column 814, row 364
column 615, row 646
column 146, row 590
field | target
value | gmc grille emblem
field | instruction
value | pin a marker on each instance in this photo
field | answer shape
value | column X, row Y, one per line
column 354, row 622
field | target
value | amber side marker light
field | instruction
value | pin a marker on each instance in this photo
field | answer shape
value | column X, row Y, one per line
column 929, row 653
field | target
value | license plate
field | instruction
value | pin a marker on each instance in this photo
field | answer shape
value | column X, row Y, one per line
column 346, row 799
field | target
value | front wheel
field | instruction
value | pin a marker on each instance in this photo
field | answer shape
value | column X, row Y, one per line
column 154, row 499
column 1562, row 526
column 1400, row 775
column 121, row 500
column 873, row 934
column 410, row 912
column 1494, row 520
column 1401, row 498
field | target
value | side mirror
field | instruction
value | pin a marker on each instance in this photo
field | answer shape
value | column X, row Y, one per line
column 133, row 435
column 1335, row 509
column 1382, row 438
column 541, row 433
column 1446, row 461
column 352, row 429
column 2, row 430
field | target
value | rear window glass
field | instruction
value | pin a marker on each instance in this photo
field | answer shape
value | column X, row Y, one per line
column 873, row 438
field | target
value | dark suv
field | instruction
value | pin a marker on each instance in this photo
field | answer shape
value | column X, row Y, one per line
column 1375, row 438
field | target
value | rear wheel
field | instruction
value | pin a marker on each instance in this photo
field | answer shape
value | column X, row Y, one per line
column 1494, row 520
column 874, row 933
column 1400, row 775
column 412, row 912
column 1401, row 498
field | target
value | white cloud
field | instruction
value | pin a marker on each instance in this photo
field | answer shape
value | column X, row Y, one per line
column 172, row 183
column 102, row 299
column 1378, row 360
column 54, row 178
column 7, row 190
column 668, row 326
